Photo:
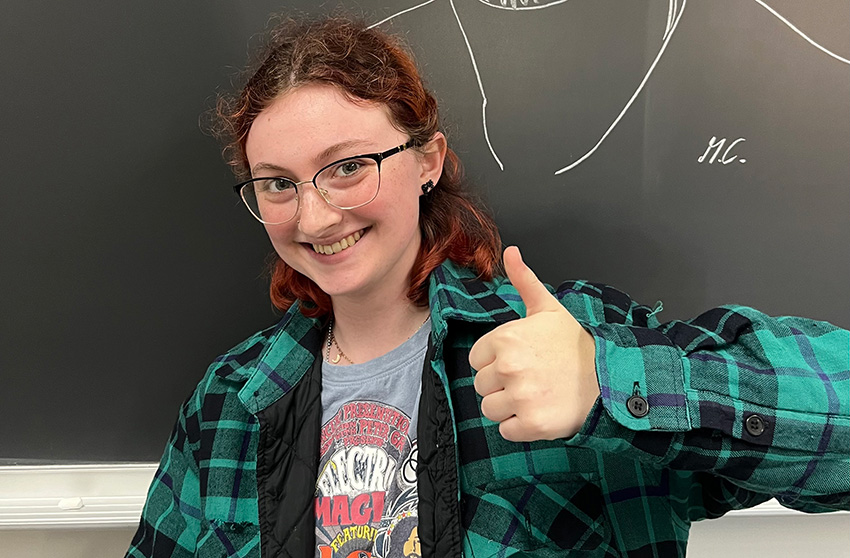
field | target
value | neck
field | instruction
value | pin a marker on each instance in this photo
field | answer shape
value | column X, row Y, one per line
column 365, row 330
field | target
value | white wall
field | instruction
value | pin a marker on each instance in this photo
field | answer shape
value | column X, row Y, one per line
column 791, row 535
column 65, row 543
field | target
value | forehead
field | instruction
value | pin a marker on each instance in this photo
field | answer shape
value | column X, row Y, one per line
column 307, row 120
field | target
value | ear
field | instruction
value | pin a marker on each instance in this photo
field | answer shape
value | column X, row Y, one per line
column 431, row 157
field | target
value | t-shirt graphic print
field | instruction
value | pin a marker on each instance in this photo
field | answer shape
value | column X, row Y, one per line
column 366, row 498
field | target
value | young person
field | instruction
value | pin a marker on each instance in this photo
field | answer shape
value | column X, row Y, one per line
column 414, row 402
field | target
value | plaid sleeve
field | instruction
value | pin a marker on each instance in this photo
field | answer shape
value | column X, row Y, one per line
column 170, row 520
column 757, row 401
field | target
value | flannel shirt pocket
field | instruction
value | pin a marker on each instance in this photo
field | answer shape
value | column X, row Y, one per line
column 538, row 514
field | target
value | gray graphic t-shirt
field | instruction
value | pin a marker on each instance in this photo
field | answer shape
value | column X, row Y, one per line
column 366, row 498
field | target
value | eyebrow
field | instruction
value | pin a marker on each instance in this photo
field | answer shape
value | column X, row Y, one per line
column 328, row 153
column 336, row 148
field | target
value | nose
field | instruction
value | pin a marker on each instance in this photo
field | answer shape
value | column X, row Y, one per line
column 316, row 215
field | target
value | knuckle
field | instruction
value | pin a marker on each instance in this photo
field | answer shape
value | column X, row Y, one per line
column 474, row 360
column 486, row 408
column 505, row 333
column 538, row 425
column 510, row 365
column 537, row 434
column 509, row 433
column 480, row 383
column 516, row 333
column 524, row 393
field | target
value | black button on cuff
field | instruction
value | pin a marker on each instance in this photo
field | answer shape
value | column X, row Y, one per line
column 638, row 406
column 755, row 425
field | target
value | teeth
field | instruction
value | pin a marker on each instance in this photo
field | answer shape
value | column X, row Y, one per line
column 338, row 246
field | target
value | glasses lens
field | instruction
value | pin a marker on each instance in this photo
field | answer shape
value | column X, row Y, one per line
column 350, row 183
column 271, row 200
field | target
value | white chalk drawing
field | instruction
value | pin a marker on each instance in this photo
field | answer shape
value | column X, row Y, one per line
column 674, row 14
column 717, row 145
column 480, row 86
column 675, row 9
column 797, row 31
column 522, row 5
column 400, row 13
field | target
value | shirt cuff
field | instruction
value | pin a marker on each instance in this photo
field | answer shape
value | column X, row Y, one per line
column 641, row 378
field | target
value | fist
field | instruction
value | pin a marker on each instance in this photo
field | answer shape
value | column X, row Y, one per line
column 536, row 375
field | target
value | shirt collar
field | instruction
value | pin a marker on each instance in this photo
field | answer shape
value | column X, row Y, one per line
column 283, row 359
column 456, row 293
column 271, row 362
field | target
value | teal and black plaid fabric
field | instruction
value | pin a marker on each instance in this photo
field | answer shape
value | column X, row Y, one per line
column 735, row 407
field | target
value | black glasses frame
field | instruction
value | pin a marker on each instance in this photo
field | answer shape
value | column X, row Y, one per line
column 377, row 157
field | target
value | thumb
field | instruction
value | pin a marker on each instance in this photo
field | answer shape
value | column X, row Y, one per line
column 534, row 294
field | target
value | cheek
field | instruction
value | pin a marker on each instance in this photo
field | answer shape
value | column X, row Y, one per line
column 401, row 211
column 404, row 197
column 281, row 237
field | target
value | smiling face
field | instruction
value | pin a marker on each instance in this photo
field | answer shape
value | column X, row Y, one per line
column 357, row 253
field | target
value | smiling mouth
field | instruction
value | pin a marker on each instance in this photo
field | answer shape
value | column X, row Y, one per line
column 339, row 246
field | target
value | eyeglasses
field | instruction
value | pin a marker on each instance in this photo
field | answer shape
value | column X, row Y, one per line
column 345, row 184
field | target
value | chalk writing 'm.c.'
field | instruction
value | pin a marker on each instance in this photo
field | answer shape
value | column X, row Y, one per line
column 717, row 145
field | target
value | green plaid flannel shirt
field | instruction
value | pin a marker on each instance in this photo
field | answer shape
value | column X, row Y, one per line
column 628, row 484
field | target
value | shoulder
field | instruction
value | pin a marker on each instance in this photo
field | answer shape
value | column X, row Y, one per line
column 236, row 364
column 260, row 369
column 458, row 293
column 217, row 392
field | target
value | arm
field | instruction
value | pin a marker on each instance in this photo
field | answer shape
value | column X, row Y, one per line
column 742, row 404
column 170, row 520
column 759, row 402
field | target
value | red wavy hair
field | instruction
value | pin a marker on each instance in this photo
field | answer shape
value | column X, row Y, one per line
column 367, row 65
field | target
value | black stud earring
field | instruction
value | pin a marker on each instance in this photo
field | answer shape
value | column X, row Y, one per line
column 427, row 187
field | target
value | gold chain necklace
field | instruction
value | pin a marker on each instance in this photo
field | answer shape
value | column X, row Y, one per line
column 340, row 354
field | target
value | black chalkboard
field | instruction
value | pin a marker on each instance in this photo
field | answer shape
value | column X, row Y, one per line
column 128, row 265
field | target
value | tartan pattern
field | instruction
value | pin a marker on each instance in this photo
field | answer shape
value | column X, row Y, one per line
column 622, row 486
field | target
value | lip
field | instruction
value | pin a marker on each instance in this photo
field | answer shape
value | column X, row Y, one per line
column 330, row 258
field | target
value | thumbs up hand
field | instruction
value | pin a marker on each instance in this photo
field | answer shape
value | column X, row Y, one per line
column 537, row 375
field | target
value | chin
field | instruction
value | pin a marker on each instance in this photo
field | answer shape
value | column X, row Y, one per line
column 337, row 286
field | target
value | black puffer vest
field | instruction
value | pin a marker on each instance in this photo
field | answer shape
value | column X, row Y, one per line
column 288, row 466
